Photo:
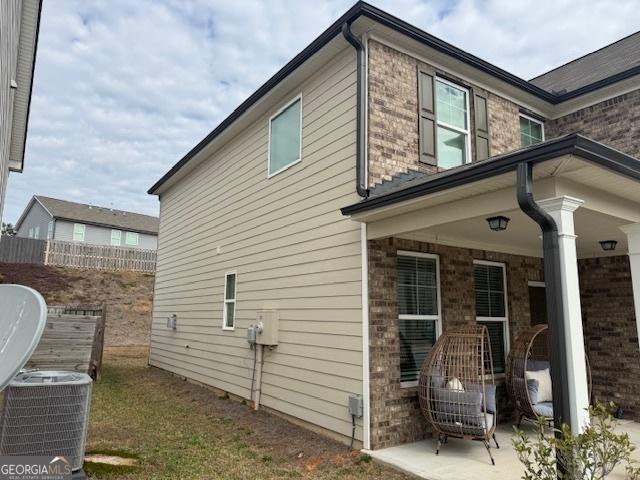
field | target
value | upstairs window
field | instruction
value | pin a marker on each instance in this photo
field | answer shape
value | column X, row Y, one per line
column 285, row 137
column 452, row 116
column 132, row 239
column 531, row 131
column 229, row 312
column 419, row 313
column 116, row 238
column 78, row 232
column 491, row 308
column 50, row 230
column 36, row 232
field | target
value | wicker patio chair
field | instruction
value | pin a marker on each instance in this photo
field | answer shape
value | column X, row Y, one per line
column 530, row 352
column 457, row 389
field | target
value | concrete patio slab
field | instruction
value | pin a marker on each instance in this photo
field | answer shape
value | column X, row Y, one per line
column 465, row 460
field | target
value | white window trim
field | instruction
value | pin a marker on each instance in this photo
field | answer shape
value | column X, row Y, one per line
column 438, row 317
column 282, row 109
column 467, row 132
column 50, row 230
column 30, row 233
column 534, row 120
column 505, row 319
column 225, row 301
column 126, row 237
column 84, row 232
column 36, row 232
column 113, row 230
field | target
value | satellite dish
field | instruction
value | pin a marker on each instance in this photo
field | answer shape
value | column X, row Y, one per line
column 23, row 316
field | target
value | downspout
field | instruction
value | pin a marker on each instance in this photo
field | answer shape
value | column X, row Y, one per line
column 553, row 290
column 360, row 108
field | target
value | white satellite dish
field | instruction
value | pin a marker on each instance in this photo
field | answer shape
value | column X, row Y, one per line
column 23, row 316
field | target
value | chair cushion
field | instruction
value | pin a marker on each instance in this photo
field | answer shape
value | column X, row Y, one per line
column 543, row 377
column 544, row 409
column 490, row 392
column 537, row 365
column 532, row 389
column 458, row 407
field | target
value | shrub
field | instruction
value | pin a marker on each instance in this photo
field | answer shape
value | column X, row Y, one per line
column 590, row 455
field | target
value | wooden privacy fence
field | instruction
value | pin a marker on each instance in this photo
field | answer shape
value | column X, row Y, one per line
column 21, row 250
column 75, row 254
column 73, row 339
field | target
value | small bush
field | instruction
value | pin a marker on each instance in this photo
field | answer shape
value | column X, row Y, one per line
column 590, row 455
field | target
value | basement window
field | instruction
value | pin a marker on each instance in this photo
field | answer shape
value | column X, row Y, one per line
column 229, row 312
column 491, row 308
column 285, row 137
column 419, row 312
column 531, row 131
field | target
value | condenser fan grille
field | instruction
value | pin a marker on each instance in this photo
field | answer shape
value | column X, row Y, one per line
column 46, row 414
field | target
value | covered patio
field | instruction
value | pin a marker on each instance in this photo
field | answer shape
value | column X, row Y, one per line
column 466, row 461
column 580, row 193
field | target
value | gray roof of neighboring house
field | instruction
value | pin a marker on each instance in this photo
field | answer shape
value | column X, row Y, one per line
column 107, row 217
column 613, row 59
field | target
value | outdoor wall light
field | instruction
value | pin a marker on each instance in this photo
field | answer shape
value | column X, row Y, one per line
column 498, row 223
column 608, row 245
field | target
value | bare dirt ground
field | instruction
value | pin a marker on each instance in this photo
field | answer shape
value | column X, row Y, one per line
column 128, row 295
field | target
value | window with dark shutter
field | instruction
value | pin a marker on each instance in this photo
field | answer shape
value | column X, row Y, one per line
column 418, row 320
column 481, row 124
column 491, row 310
column 427, row 115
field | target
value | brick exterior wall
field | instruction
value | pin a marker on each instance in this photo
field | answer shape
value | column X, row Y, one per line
column 395, row 413
column 610, row 328
column 614, row 122
column 608, row 315
column 393, row 116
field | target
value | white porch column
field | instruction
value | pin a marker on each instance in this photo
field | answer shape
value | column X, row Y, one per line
column 633, row 241
column 561, row 209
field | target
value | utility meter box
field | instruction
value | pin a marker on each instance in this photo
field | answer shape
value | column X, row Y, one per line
column 269, row 321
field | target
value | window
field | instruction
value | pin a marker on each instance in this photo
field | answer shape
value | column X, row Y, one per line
column 78, row 232
column 116, row 238
column 130, row 239
column 36, row 232
column 419, row 311
column 531, row 131
column 285, row 132
column 229, row 313
column 491, row 308
column 452, row 115
column 31, row 233
column 50, row 230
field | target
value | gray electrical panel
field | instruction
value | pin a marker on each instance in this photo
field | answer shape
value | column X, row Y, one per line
column 251, row 335
column 355, row 405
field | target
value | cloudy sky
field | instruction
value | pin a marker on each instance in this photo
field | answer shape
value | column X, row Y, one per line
column 124, row 88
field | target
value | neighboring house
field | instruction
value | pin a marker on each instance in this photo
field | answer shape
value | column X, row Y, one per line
column 19, row 24
column 54, row 219
column 350, row 194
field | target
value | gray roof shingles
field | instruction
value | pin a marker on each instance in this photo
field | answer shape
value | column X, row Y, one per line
column 613, row 59
column 80, row 212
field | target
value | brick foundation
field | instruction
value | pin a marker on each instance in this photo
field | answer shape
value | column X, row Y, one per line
column 610, row 330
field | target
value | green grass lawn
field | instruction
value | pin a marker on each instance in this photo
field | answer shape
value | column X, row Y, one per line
column 177, row 430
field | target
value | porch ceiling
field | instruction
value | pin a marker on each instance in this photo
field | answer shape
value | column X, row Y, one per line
column 457, row 216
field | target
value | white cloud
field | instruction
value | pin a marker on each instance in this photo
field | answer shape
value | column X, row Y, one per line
column 123, row 89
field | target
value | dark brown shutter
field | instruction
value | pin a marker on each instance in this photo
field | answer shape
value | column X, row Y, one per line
column 427, row 115
column 481, row 125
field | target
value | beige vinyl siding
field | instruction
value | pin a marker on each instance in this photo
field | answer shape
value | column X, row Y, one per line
column 9, row 34
column 292, row 250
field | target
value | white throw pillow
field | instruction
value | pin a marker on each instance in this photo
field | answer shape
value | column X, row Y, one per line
column 545, row 394
column 455, row 384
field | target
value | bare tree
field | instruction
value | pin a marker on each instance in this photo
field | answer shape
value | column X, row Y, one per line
column 8, row 229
